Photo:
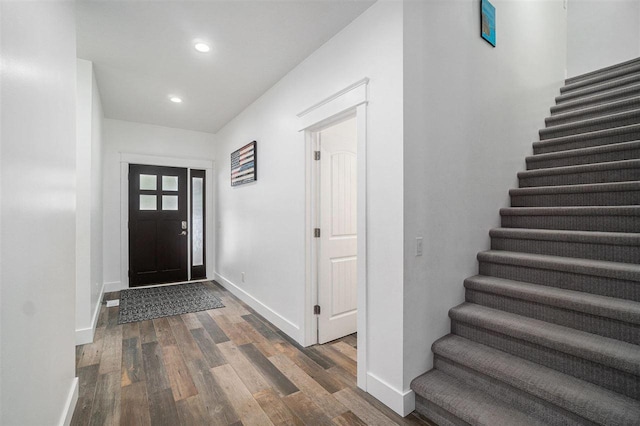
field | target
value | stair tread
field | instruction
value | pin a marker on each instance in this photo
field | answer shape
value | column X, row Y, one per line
column 601, row 268
column 610, row 118
column 578, row 188
column 599, row 237
column 611, row 68
column 583, row 398
column 607, row 76
column 621, row 146
column 631, row 128
column 572, row 211
column 581, row 168
column 603, row 306
column 591, row 109
column 598, row 97
column 603, row 350
column 597, row 88
column 468, row 403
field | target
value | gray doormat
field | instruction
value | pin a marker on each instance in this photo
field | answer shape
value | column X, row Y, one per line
column 140, row 304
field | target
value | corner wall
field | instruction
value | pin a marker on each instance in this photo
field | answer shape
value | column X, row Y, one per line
column 89, row 284
column 37, row 253
column 601, row 33
column 129, row 137
column 262, row 225
column 471, row 114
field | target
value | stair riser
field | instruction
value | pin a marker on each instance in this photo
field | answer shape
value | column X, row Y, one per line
column 628, row 154
column 578, row 320
column 606, row 377
column 618, row 198
column 596, row 176
column 603, row 71
column 596, row 100
column 574, row 223
column 556, row 132
column 621, row 289
column 437, row 414
column 602, row 88
column 586, row 141
column 600, row 112
column 612, row 253
column 542, row 410
column 611, row 76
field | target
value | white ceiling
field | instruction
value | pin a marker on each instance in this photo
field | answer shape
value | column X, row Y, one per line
column 143, row 52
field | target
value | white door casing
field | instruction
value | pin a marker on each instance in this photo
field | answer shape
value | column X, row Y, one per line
column 348, row 101
column 337, row 252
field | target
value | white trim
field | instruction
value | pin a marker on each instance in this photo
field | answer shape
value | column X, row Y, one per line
column 127, row 158
column 70, row 404
column 124, row 225
column 112, row 286
column 201, row 280
column 85, row 335
column 402, row 403
column 275, row 318
column 117, row 286
column 311, row 293
column 350, row 100
column 347, row 98
column 159, row 160
column 362, row 353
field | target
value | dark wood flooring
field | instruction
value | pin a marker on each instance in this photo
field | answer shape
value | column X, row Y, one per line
column 226, row 366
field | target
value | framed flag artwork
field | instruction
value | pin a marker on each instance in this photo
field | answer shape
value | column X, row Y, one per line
column 244, row 164
column 488, row 22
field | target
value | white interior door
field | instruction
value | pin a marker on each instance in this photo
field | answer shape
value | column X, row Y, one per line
column 337, row 262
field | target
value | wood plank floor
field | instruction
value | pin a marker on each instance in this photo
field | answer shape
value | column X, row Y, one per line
column 226, row 366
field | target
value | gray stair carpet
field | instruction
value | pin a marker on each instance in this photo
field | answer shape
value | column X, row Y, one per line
column 549, row 333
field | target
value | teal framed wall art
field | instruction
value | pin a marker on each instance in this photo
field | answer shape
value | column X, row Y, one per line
column 488, row 22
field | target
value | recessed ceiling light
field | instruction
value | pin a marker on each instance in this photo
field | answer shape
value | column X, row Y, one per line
column 202, row 47
column 175, row 99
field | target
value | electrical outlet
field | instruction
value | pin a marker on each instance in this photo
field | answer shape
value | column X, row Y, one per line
column 242, row 275
column 418, row 246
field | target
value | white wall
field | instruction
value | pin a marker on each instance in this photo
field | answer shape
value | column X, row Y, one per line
column 38, row 212
column 601, row 33
column 262, row 225
column 128, row 137
column 88, row 202
column 471, row 114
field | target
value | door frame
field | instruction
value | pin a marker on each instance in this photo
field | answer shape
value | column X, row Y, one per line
column 352, row 100
column 126, row 159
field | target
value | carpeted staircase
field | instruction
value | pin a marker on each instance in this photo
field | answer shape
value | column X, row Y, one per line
column 550, row 330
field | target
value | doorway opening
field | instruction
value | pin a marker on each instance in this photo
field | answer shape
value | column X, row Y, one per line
column 347, row 104
column 166, row 225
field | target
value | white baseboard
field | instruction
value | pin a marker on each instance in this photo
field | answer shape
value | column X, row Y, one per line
column 402, row 403
column 70, row 404
column 112, row 286
column 275, row 318
column 85, row 335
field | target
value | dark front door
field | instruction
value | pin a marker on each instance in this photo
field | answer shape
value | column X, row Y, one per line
column 158, row 235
